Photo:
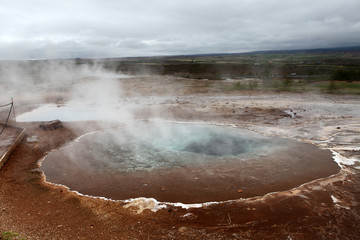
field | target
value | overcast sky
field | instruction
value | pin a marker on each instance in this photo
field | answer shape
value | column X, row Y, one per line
column 33, row 29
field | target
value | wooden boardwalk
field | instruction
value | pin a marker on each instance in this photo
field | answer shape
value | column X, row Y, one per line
column 9, row 139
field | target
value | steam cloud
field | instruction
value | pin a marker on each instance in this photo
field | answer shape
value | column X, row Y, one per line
column 77, row 85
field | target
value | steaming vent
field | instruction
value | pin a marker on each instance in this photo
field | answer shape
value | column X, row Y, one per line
column 221, row 145
column 187, row 163
column 163, row 145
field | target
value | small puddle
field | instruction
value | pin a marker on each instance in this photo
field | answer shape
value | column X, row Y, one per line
column 74, row 112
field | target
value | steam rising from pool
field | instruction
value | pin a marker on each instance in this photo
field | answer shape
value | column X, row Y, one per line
column 189, row 163
column 149, row 146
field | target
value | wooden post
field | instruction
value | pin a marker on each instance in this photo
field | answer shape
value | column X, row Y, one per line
column 13, row 108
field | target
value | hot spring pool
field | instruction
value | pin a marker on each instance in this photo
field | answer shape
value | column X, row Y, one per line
column 189, row 163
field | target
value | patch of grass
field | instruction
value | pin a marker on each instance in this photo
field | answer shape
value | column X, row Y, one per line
column 298, row 86
column 9, row 235
column 331, row 88
column 348, row 88
column 286, row 85
column 338, row 87
column 346, row 75
column 250, row 85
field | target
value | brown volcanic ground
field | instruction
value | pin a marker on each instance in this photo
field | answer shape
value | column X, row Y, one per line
column 323, row 209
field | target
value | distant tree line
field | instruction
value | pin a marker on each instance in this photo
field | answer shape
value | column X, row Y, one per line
column 346, row 75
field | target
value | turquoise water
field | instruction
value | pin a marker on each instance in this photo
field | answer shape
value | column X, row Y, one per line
column 147, row 146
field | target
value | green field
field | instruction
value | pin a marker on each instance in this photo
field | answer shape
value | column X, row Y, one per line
column 335, row 71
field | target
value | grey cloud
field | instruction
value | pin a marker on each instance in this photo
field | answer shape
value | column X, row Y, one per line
column 94, row 28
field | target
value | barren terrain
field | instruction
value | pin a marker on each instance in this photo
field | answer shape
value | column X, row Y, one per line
column 326, row 208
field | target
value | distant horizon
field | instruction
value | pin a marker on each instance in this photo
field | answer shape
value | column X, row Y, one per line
column 339, row 48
